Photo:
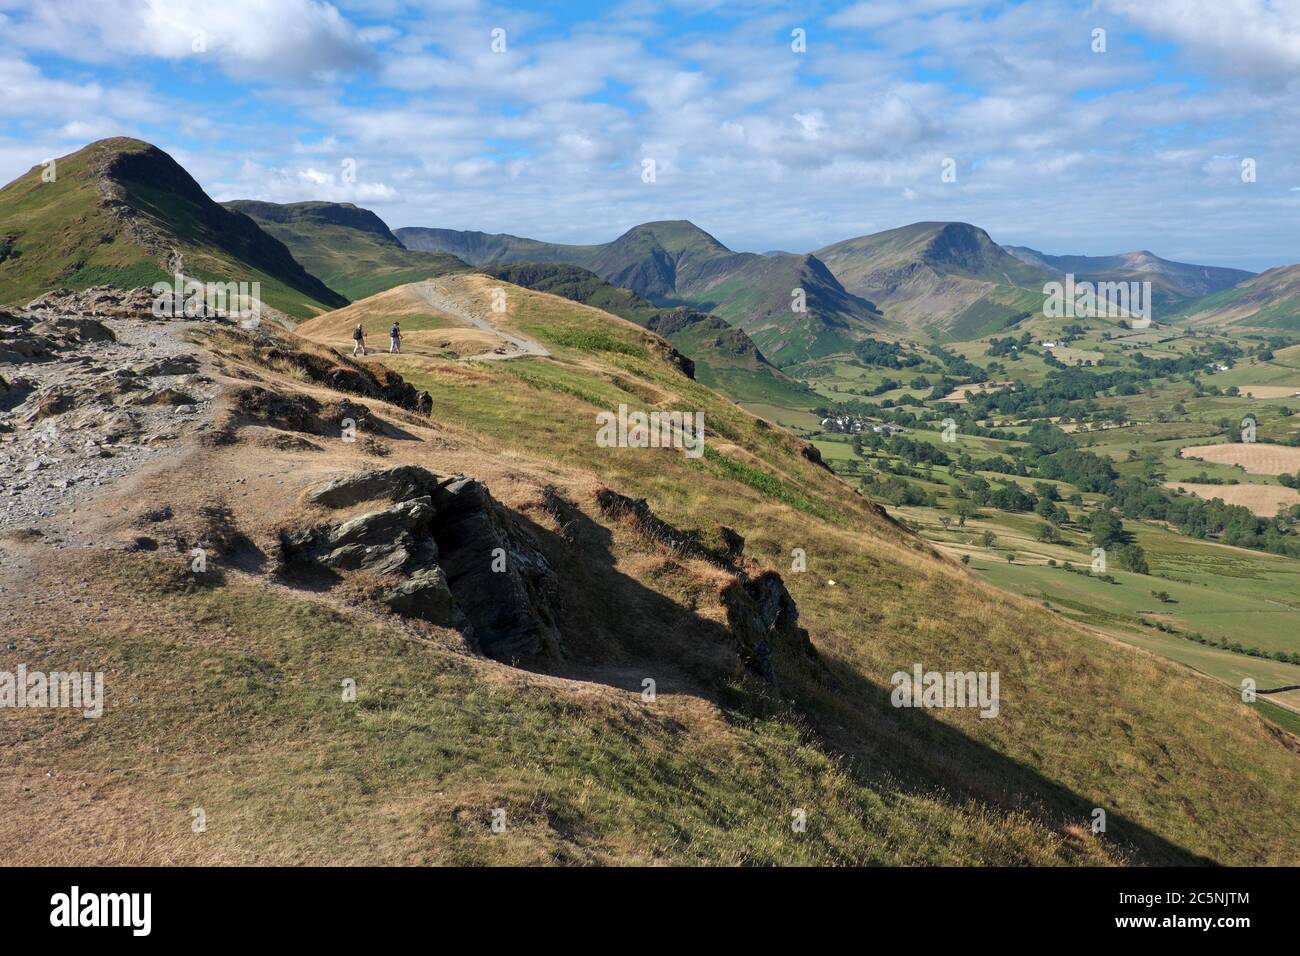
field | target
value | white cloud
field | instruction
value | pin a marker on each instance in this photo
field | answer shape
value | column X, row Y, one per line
column 1254, row 38
column 764, row 147
column 251, row 39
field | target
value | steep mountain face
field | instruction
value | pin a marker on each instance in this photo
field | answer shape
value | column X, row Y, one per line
column 1269, row 300
column 123, row 212
column 349, row 248
column 661, row 260
column 677, row 263
column 949, row 279
column 1171, row 282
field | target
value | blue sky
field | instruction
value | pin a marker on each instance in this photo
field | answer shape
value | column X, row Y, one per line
column 1054, row 144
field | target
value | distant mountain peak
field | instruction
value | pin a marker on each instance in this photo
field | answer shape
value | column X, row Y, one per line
column 675, row 236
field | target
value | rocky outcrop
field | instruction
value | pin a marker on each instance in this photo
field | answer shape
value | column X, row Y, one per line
column 813, row 454
column 460, row 559
column 761, row 614
column 725, row 550
column 330, row 369
column 97, row 302
column 764, row 619
column 89, row 396
column 497, row 572
column 27, row 336
column 395, row 484
column 387, row 541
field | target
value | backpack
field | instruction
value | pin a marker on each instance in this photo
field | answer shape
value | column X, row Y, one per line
column 394, row 331
column 357, row 334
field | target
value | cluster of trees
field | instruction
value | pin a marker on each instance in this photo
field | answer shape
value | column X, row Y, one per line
column 958, row 366
column 1198, row 518
column 909, row 449
column 885, row 354
column 1065, row 387
column 1009, row 346
column 895, row 490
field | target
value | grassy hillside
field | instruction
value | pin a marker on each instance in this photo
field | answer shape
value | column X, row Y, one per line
column 726, row 358
column 1270, row 300
column 1159, row 752
column 948, row 279
column 225, row 688
column 349, row 249
column 576, row 283
column 118, row 212
column 481, row 248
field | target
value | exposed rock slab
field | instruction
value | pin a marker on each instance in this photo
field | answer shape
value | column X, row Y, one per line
column 460, row 557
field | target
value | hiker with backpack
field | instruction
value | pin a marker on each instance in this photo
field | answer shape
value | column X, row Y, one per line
column 395, row 338
column 358, row 340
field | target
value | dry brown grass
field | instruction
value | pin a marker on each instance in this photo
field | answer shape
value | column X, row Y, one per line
column 224, row 695
column 958, row 394
column 1259, row 458
column 1263, row 500
column 1269, row 391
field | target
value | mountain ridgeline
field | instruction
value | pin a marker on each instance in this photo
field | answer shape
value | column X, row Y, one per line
column 125, row 213
column 1171, row 282
column 349, row 248
column 677, row 263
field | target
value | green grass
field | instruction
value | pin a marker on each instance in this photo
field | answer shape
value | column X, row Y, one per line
column 586, row 340
column 65, row 237
column 351, row 260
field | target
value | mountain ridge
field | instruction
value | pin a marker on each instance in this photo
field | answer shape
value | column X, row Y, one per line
column 350, row 248
column 949, row 279
column 128, row 213
column 675, row 262
column 1172, row 281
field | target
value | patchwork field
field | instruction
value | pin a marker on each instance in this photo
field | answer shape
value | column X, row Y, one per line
column 1263, row 500
column 1269, row 391
column 958, row 394
column 1258, row 458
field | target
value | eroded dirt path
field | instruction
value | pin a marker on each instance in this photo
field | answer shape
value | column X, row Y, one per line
column 518, row 346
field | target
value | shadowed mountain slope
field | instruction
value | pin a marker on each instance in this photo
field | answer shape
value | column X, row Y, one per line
column 947, row 279
column 349, row 248
column 123, row 212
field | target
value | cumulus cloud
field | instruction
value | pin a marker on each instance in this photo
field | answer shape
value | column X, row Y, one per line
column 250, row 39
column 1055, row 146
column 1254, row 38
